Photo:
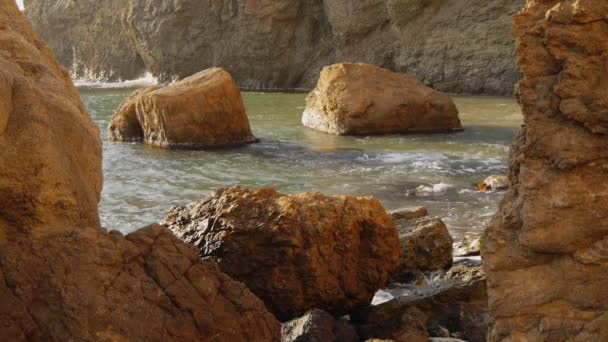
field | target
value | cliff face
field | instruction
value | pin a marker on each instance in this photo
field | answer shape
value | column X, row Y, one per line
column 546, row 253
column 462, row 46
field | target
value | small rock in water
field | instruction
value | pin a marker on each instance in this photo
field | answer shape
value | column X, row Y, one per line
column 494, row 182
column 408, row 213
column 468, row 246
column 429, row 190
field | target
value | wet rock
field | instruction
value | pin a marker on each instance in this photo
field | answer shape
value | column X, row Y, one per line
column 50, row 164
column 283, row 44
column 459, row 309
column 318, row 326
column 295, row 252
column 426, row 245
column 494, row 183
column 467, row 246
column 545, row 252
column 62, row 277
column 352, row 99
column 408, row 213
column 202, row 111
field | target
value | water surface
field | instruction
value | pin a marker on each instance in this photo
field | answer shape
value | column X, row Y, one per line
column 141, row 182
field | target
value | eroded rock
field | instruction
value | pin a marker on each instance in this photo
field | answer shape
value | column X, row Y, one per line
column 295, row 252
column 318, row 326
column 352, row 99
column 545, row 252
column 205, row 110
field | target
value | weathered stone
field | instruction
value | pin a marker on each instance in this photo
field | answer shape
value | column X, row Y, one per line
column 408, row 213
column 461, row 309
column 205, row 110
column 496, row 182
column 318, row 326
column 62, row 278
column 295, row 252
column 545, row 252
column 468, row 246
column 283, row 44
column 426, row 245
column 355, row 99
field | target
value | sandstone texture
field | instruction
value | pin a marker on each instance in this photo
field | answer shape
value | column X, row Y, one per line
column 62, row 277
column 458, row 310
column 546, row 252
column 50, row 164
column 318, row 326
column 461, row 46
column 205, row 110
column 354, row 99
column 426, row 245
column 295, row 252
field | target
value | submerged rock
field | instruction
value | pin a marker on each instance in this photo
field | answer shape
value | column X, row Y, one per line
column 352, row 99
column 62, row 277
column 202, row 111
column 546, row 251
column 295, row 252
column 408, row 213
column 283, row 44
column 426, row 245
column 318, row 326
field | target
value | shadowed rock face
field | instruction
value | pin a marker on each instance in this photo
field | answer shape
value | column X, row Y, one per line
column 462, row 46
column 295, row 252
column 62, row 277
column 546, row 252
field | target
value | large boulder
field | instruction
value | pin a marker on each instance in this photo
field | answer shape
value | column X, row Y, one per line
column 546, row 252
column 353, row 99
column 62, row 277
column 295, row 252
column 205, row 110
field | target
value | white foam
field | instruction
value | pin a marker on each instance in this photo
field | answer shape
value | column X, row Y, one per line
column 146, row 81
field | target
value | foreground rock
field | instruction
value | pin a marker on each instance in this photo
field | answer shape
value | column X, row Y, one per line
column 281, row 44
column 202, row 111
column 62, row 278
column 448, row 310
column 546, row 251
column 295, row 252
column 353, row 99
column 318, row 326
column 426, row 245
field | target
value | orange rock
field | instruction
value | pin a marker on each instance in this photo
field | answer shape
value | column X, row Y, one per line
column 353, row 99
column 295, row 252
column 202, row 111
column 546, row 253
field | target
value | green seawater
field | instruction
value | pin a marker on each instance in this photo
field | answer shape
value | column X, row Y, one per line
column 141, row 183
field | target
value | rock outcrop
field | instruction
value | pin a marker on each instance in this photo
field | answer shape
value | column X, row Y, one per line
column 462, row 46
column 354, row 99
column 318, row 326
column 426, row 245
column 295, row 252
column 546, row 253
column 205, row 110
column 64, row 278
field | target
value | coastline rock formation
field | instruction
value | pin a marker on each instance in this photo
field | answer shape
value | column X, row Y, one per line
column 62, row 277
column 462, row 46
column 546, row 253
column 357, row 99
column 296, row 252
column 205, row 110
column 318, row 326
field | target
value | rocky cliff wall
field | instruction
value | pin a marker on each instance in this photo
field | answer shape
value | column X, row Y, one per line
column 546, row 253
column 461, row 46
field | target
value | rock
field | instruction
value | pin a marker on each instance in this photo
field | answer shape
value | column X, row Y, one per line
column 62, row 277
column 50, row 164
column 283, row 44
column 202, row 111
column 318, row 326
column 352, row 99
column 545, row 252
column 460, row 309
column 494, row 183
column 467, row 246
column 408, row 213
column 426, row 245
column 295, row 252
